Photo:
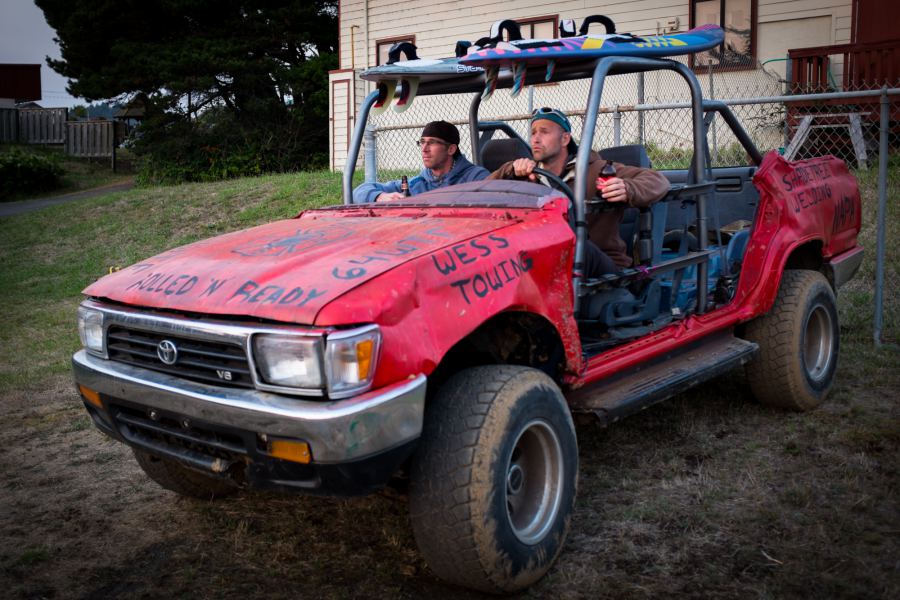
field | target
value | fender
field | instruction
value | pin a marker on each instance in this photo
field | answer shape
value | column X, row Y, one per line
column 803, row 201
column 427, row 305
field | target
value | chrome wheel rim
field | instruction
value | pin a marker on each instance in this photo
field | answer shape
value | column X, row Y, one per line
column 818, row 345
column 534, row 477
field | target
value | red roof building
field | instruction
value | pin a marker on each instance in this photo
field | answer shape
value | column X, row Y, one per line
column 20, row 83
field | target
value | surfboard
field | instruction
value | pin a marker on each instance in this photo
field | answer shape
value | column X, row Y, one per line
column 398, row 82
column 424, row 69
column 519, row 55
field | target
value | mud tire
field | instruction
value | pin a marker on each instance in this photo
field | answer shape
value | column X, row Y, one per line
column 798, row 343
column 494, row 479
column 182, row 480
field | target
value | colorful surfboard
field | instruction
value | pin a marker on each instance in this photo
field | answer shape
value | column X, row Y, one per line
column 397, row 82
column 519, row 55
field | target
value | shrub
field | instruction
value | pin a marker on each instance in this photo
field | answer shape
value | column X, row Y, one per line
column 221, row 145
column 25, row 173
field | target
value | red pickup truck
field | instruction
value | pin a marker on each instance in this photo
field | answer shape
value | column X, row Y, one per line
column 442, row 343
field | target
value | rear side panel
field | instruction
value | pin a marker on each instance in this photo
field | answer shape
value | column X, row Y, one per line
column 800, row 202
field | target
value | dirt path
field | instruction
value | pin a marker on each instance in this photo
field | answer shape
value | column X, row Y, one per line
column 8, row 209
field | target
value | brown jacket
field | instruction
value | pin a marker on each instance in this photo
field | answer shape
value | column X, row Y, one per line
column 643, row 186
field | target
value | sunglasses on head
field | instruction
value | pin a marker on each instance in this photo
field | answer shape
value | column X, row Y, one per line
column 546, row 110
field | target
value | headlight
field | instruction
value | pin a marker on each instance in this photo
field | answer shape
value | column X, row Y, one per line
column 90, row 329
column 343, row 362
column 289, row 361
column 350, row 359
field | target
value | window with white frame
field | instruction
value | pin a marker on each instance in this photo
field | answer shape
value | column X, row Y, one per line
column 540, row 28
column 738, row 19
column 382, row 47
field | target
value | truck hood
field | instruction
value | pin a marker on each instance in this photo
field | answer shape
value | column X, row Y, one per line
column 287, row 270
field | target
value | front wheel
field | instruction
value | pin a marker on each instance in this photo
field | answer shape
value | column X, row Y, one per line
column 494, row 479
column 798, row 344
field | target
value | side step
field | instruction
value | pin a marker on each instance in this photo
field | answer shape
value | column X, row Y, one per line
column 627, row 393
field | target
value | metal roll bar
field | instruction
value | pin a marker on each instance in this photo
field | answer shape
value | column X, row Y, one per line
column 618, row 64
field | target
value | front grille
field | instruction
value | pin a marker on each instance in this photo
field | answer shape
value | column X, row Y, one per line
column 199, row 360
column 177, row 433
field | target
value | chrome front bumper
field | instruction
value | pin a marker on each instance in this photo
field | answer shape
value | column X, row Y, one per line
column 337, row 431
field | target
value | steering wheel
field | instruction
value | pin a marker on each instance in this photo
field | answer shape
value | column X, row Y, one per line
column 557, row 183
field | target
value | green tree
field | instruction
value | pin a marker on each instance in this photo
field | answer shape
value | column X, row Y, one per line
column 258, row 68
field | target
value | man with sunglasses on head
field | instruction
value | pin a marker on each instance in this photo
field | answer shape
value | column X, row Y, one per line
column 444, row 165
column 554, row 150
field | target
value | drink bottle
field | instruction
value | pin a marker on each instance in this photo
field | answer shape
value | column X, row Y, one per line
column 404, row 186
column 606, row 173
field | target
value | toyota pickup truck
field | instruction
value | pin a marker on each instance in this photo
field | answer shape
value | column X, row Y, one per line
column 443, row 343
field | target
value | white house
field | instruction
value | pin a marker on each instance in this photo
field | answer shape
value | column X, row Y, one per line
column 761, row 31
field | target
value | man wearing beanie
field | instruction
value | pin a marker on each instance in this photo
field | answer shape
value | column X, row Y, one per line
column 444, row 165
column 554, row 150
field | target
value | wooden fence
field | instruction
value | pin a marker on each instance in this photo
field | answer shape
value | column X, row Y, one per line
column 9, row 125
column 42, row 125
column 864, row 67
column 84, row 139
column 90, row 139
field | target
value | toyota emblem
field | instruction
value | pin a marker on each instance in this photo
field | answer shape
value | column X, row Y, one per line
column 167, row 352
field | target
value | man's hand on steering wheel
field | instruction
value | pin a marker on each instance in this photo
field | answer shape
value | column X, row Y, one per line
column 525, row 167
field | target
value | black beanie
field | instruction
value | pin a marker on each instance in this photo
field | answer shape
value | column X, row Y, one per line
column 442, row 130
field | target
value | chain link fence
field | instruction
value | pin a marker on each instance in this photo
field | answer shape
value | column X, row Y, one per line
column 667, row 132
column 653, row 109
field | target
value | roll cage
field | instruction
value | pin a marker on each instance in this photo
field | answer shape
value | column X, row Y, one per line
column 696, row 190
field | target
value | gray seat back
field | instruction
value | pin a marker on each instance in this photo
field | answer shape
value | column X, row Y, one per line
column 495, row 153
column 634, row 155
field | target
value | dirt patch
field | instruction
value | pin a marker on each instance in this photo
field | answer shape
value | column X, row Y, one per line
column 71, row 499
column 708, row 495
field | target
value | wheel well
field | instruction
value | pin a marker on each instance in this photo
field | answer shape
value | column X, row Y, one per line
column 808, row 256
column 510, row 338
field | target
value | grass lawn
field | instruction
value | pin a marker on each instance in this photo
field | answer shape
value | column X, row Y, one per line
column 707, row 495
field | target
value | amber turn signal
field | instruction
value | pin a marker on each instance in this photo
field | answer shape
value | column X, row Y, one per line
column 91, row 396
column 290, row 450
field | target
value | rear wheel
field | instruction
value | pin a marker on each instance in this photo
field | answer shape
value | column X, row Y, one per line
column 176, row 477
column 494, row 479
column 798, row 344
